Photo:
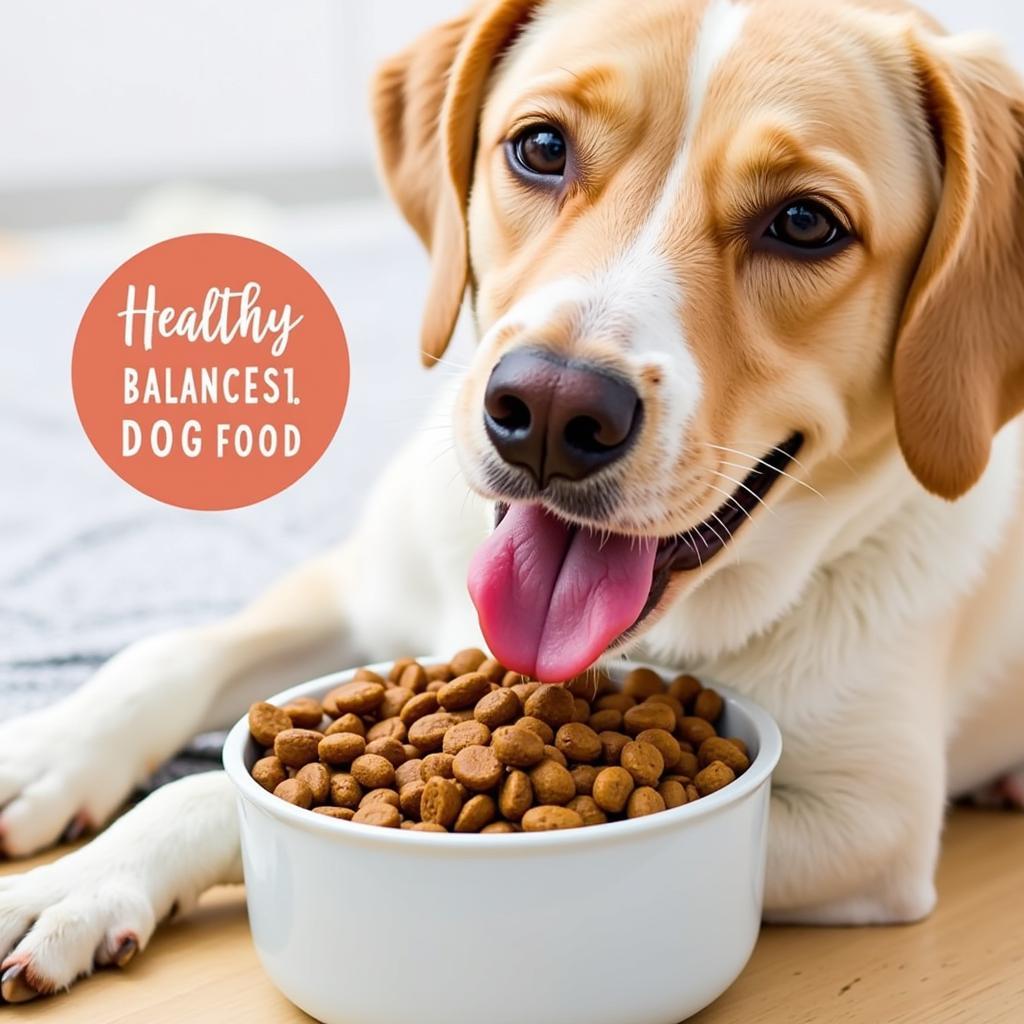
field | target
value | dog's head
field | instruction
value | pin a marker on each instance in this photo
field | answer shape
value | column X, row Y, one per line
column 710, row 246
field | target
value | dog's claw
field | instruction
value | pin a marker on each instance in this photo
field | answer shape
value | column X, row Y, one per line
column 14, row 987
column 126, row 952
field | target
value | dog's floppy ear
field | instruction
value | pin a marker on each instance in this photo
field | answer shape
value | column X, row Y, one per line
column 425, row 105
column 958, row 367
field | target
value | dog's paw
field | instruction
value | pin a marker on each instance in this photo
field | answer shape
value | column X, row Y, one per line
column 61, row 920
column 62, row 772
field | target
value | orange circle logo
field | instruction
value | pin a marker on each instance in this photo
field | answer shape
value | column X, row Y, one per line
column 210, row 371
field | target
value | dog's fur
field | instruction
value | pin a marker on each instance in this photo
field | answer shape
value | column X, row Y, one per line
column 873, row 607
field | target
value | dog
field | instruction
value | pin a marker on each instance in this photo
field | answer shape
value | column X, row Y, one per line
column 747, row 282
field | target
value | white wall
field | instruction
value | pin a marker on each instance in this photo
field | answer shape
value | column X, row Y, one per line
column 108, row 91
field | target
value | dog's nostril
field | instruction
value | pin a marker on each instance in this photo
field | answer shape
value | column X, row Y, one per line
column 511, row 413
column 583, row 433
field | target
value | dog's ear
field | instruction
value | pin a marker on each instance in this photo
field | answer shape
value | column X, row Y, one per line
column 425, row 104
column 958, row 367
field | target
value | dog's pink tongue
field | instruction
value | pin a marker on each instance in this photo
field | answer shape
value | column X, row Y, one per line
column 551, row 597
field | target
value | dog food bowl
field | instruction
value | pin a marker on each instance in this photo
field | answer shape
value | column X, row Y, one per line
column 643, row 921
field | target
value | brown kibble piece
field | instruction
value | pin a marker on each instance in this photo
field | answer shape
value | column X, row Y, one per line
column 642, row 683
column 347, row 723
column 516, row 795
column 708, row 705
column 266, row 721
column 609, row 719
column 373, row 771
column 687, row 763
column 611, row 746
column 538, row 727
column 296, row 792
column 438, row 673
column 367, row 675
column 398, row 667
column 440, row 802
column 296, row 747
column 493, row 670
column 552, row 753
column 497, row 708
column 467, row 660
column 269, row 772
column 578, row 742
column 643, row 761
column 512, row 679
column 357, row 698
column 552, row 704
column 612, row 788
column 395, row 698
column 549, row 818
column 466, row 734
column 341, row 748
column 318, row 778
column 378, row 813
column 584, row 775
column 695, row 730
column 715, row 748
column 389, row 748
column 644, row 801
column 499, row 828
column 517, row 747
column 408, row 771
column 345, row 791
column 341, row 813
column 305, row 712
column 667, row 744
column 427, row 733
column 713, row 778
column 425, row 826
column 437, row 763
column 413, row 678
column 586, row 807
column 673, row 793
column 418, row 707
column 476, row 813
column 620, row 702
column 463, row 691
column 524, row 690
column 375, row 796
column 388, row 728
column 649, row 715
column 740, row 745
column 478, row 768
column 685, row 689
column 410, row 797
column 552, row 783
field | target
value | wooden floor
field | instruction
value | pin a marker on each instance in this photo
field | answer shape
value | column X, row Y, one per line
column 964, row 965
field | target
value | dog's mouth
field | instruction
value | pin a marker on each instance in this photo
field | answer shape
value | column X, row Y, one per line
column 553, row 596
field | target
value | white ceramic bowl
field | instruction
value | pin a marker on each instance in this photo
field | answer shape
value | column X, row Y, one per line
column 633, row 922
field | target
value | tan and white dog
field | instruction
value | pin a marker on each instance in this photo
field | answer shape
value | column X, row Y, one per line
column 748, row 284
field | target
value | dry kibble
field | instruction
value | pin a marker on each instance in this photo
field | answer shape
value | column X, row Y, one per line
column 578, row 742
column 441, row 802
column 466, row 734
column 667, row 744
column 388, row 748
column 708, row 705
column 713, row 778
column 547, row 818
column 476, row 814
column 295, row 791
column 516, row 795
column 478, row 768
column 552, row 704
column 642, row 683
column 586, row 807
column 427, row 733
column 695, row 730
column 342, row 813
column 499, row 707
column 347, row 723
column 318, row 778
column 437, row 763
column 649, row 715
column 373, row 771
column 584, row 775
column 341, row 748
column 644, row 801
column 517, row 747
column 715, row 748
column 643, row 761
column 378, row 813
column 612, row 788
column 266, row 721
column 552, row 783
column 468, row 660
column 359, row 698
column 685, row 689
column 463, row 691
column 305, row 712
column 269, row 772
column 737, row 742
column 471, row 747
column 296, row 747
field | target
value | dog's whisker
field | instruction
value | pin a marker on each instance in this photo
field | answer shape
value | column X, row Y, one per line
column 739, row 483
column 763, row 462
column 731, row 498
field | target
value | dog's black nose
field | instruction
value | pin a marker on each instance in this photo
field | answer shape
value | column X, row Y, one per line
column 557, row 417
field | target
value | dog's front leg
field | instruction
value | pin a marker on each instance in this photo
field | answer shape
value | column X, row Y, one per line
column 100, row 904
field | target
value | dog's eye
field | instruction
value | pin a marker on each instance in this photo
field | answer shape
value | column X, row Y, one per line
column 540, row 149
column 806, row 224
